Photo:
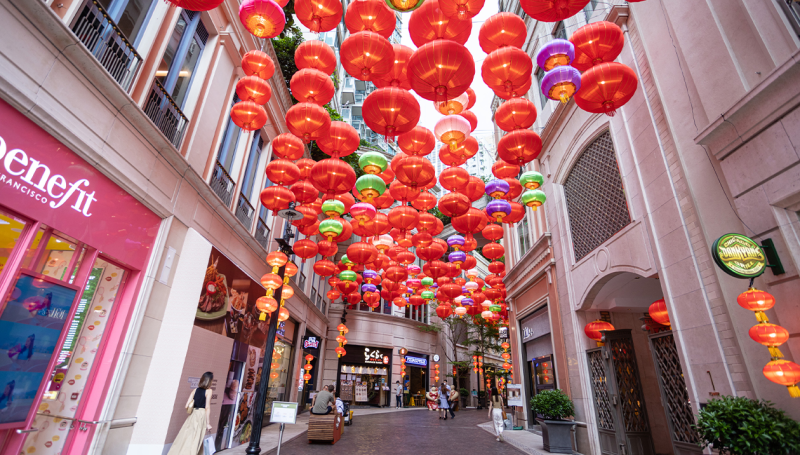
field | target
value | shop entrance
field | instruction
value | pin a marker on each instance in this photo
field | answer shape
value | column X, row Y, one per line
column 417, row 385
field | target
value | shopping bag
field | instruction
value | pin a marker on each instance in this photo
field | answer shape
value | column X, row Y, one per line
column 209, row 446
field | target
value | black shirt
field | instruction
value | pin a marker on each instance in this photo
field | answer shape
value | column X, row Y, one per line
column 199, row 398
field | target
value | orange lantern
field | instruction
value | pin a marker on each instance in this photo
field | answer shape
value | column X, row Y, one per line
column 596, row 43
column 462, row 9
column 370, row 15
column 658, row 312
column 305, row 249
column 502, row 169
column 493, row 232
column 471, row 222
column 552, row 10
column 398, row 75
column 266, row 304
column 262, row 18
column 475, row 188
column 415, row 171
column 424, row 202
column 493, row 251
column 341, row 140
column 248, row 115
column 419, row 141
column 441, row 70
column 403, row 193
column 757, row 301
column 324, row 268
column 308, row 121
column 507, row 69
column 309, row 215
column 340, row 351
column 367, row 56
column 453, row 178
column 501, row 30
column 472, row 98
column 605, row 88
column 288, row 146
column 317, row 55
column 514, row 189
column 519, row 147
column 471, row 118
column 390, row 111
column 454, row 106
column 404, row 218
column 312, row 86
column 454, row 204
column 516, row 215
column 771, row 336
column 253, row 88
column 430, row 23
column 282, row 172
column 594, row 330
column 258, row 63
column 327, row 249
column 276, row 198
column 515, row 114
column 304, row 192
column 319, row 15
column 452, row 130
column 362, row 252
column 515, row 92
column 784, row 373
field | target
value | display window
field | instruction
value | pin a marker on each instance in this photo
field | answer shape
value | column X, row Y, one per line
column 363, row 376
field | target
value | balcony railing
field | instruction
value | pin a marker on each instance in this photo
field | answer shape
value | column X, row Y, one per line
column 245, row 211
column 107, row 43
column 262, row 233
column 167, row 116
column 222, row 184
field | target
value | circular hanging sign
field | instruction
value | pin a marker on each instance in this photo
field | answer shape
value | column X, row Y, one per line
column 739, row 256
column 436, row 357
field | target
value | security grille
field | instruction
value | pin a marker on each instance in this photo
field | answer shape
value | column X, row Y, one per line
column 595, row 196
column 629, row 389
column 673, row 386
column 602, row 402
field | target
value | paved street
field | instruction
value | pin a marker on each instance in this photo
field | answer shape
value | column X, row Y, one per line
column 412, row 432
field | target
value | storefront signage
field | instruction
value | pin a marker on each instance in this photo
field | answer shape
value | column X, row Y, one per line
column 416, row 361
column 375, row 356
column 311, row 343
column 527, row 332
column 739, row 256
column 503, row 332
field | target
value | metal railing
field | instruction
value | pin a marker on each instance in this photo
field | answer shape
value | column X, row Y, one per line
column 245, row 211
column 167, row 116
column 262, row 233
column 222, row 184
column 107, row 43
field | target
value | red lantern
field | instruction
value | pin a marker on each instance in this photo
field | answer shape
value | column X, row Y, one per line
column 347, row 231
column 471, row 118
column 466, row 149
column 324, row 268
column 341, row 140
column 319, row 15
column 757, row 301
column 424, row 202
column 429, row 23
column 370, row 15
column 403, row 193
column 305, row 248
column 312, row 86
column 515, row 93
column 475, row 188
column 333, row 176
column 248, row 115
column 390, row 111
column 444, row 311
column 404, row 218
column 515, row 189
column 658, row 312
column 317, row 55
column 257, row 63
column 309, row 216
column 327, row 249
column 502, row 169
column 471, row 222
column 282, row 172
column 493, row 251
column 516, row 215
column 308, row 121
column 415, row 171
column 304, row 192
column 253, row 88
column 497, row 267
column 501, row 30
column 462, row 9
column 507, row 69
column 492, row 232
column 469, row 263
column 262, row 18
column 441, row 70
column 367, row 56
column 397, row 76
column 605, row 88
column 471, row 95
column 362, row 252
column 594, row 330
column 519, row 147
column 515, row 114
column 196, row 5
column 770, row 335
column 596, row 43
column 340, row 351
column 453, row 178
column 288, row 146
column 305, row 165
column 449, row 157
column 552, row 10
column 784, row 373
column 276, row 198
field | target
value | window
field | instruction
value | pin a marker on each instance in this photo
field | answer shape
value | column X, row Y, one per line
column 180, row 59
column 230, row 139
column 561, row 31
column 524, row 236
column 130, row 16
column 595, row 196
column 252, row 163
column 792, row 10
column 588, row 10
column 539, row 78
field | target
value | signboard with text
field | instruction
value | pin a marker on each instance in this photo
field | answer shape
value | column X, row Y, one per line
column 514, row 394
column 739, row 256
column 283, row 412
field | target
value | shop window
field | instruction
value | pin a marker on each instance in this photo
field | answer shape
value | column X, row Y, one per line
column 244, row 209
column 10, row 229
column 596, row 203
column 221, row 181
column 179, row 62
column 53, row 255
column 524, row 236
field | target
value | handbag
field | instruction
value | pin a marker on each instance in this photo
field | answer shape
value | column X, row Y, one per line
column 209, row 445
column 190, row 407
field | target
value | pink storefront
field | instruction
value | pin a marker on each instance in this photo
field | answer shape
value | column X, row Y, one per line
column 74, row 247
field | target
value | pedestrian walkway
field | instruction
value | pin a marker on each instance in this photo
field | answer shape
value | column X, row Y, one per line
column 526, row 441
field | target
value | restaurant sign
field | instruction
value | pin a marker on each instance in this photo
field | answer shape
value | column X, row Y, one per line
column 739, row 256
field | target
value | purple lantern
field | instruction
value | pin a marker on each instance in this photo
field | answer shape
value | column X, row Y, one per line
column 369, row 274
column 467, row 301
column 498, row 209
column 455, row 241
column 368, row 288
column 497, row 188
column 457, row 258
column 561, row 83
column 556, row 53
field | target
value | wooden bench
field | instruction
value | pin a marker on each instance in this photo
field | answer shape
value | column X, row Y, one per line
column 325, row 428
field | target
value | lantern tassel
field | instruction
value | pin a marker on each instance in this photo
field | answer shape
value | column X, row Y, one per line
column 775, row 353
column 761, row 316
column 794, row 391
column 564, row 97
column 262, row 316
column 600, row 344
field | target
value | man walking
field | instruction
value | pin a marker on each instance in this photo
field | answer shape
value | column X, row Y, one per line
column 446, row 392
column 398, row 395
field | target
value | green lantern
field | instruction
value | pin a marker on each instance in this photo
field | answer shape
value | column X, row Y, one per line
column 531, row 180
column 333, row 207
column 495, row 308
column 330, row 228
column 427, row 295
column 370, row 186
column 533, row 198
column 347, row 275
column 373, row 162
column 345, row 260
column 427, row 281
column 404, row 6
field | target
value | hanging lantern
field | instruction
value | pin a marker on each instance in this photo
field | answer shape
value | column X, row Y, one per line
column 282, row 172
column 469, row 223
column 403, row 193
column 425, row 202
column 315, row 54
column 304, row 192
column 347, row 231
column 257, row 63
column 373, row 162
column 558, row 52
column 366, row 56
column 507, row 69
column 594, row 330
column 266, row 304
column 454, row 106
column 288, row 146
column 397, row 76
column 756, row 301
column 492, row 232
column 462, row 9
column 312, row 86
column 333, row 208
column 308, row 121
column 362, row 212
column 475, row 188
column 248, row 115
column 404, row 6
column 441, row 70
column 333, row 176
column 514, row 189
column 515, row 114
column 606, row 87
column 452, row 130
column 552, row 10
column 501, row 30
column 276, row 198
column 253, row 88
column 362, row 252
column 330, row 229
column 341, row 140
column 493, row 250
column 453, row 178
column 498, row 209
column 471, row 118
column 415, row 171
column 404, row 218
column 771, row 336
column 370, row 186
column 519, row 147
column 305, row 249
column 390, row 111
column 658, row 312
column 596, row 43
column 561, row 83
column 304, row 166
column 430, row 23
column 370, row 15
column 324, row 267
column 531, row 180
column 454, row 204
column 319, row 15
column 515, row 92
column 497, row 188
column 784, row 373
column 262, row 18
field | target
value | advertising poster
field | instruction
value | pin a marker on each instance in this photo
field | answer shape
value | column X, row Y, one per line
column 514, row 394
column 34, row 315
column 361, row 392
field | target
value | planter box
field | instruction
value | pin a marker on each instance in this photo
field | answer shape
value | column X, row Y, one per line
column 556, row 435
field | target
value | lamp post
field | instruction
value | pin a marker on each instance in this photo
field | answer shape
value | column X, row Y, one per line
column 254, row 448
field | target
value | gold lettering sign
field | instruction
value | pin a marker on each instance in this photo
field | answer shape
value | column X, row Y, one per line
column 739, row 256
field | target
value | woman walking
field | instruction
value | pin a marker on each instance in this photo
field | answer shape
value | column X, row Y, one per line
column 496, row 413
column 190, row 439
column 444, row 406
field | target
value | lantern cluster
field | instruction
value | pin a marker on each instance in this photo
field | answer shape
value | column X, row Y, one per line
column 435, row 377
column 340, row 351
column 276, row 287
column 477, row 364
column 506, row 356
column 307, row 367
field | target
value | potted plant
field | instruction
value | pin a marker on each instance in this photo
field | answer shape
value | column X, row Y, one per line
column 554, row 406
column 739, row 425
column 464, row 396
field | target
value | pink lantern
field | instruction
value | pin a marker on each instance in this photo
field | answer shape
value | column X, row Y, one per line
column 452, row 130
column 262, row 18
column 362, row 212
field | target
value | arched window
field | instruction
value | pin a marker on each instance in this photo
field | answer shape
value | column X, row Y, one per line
column 595, row 197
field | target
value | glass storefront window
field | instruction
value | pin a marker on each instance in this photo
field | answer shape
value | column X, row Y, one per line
column 279, row 387
column 10, row 229
column 55, row 257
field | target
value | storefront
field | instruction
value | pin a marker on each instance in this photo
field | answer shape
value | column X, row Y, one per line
column 311, row 347
column 416, row 380
column 363, row 376
column 537, row 349
column 73, row 248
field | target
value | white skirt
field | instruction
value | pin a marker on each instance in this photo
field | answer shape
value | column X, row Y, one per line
column 190, row 439
column 497, row 420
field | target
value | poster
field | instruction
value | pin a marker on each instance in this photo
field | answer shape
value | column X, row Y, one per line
column 346, row 390
column 361, row 392
column 515, row 395
column 30, row 325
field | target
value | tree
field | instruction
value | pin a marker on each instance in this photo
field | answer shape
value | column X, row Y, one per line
column 454, row 330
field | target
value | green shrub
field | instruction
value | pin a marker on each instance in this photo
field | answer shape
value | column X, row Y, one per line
column 738, row 426
column 552, row 405
column 464, row 392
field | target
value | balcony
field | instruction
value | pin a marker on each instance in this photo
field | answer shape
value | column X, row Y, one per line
column 107, row 43
column 262, row 233
column 165, row 114
column 222, row 184
column 245, row 211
